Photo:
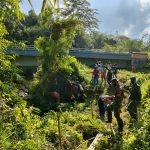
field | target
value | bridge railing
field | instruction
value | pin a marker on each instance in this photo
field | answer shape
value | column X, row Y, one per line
column 27, row 47
column 81, row 50
column 99, row 50
column 30, row 47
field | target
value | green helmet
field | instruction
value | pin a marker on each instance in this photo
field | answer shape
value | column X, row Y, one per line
column 114, row 80
column 133, row 79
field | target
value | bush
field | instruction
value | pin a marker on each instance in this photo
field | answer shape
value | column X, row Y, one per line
column 57, row 80
column 103, row 143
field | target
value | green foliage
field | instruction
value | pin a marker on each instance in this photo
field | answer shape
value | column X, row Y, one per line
column 12, row 129
column 9, row 74
column 18, row 129
column 123, row 44
column 83, row 40
column 58, row 45
column 68, row 69
column 81, row 11
column 137, row 136
column 87, row 129
column 100, row 40
column 21, row 128
column 103, row 143
column 9, row 8
column 109, row 43
column 146, row 89
column 26, row 30
column 57, row 68
column 32, row 26
column 3, row 42
column 29, row 131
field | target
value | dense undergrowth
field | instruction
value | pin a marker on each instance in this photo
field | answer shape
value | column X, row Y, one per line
column 21, row 128
column 136, row 135
column 59, row 79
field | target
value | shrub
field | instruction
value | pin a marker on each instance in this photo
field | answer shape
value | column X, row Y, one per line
column 103, row 143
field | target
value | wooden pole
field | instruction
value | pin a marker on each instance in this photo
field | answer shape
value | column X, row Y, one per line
column 59, row 129
column 92, row 108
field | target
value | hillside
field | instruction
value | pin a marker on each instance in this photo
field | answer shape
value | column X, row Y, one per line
column 21, row 128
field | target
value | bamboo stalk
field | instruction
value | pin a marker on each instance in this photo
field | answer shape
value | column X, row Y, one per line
column 95, row 142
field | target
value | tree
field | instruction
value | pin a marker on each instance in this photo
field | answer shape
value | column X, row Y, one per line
column 31, row 19
column 9, row 8
column 83, row 40
column 81, row 10
column 78, row 9
column 26, row 30
column 101, row 39
column 9, row 73
column 49, row 4
column 54, row 4
column 10, row 11
column 127, row 44
column 56, row 66
column 31, row 26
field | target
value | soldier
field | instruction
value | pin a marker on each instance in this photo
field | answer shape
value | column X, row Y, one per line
column 134, row 99
column 101, row 106
column 115, row 105
column 109, row 77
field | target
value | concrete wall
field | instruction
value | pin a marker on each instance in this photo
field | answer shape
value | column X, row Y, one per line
column 138, row 59
column 100, row 55
column 27, row 61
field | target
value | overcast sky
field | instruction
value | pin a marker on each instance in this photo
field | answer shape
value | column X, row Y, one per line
column 126, row 17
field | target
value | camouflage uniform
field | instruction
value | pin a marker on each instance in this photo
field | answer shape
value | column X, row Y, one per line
column 134, row 99
column 116, row 107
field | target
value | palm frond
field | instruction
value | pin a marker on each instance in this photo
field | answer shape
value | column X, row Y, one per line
column 51, row 4
column 55, row 2
column 17, row 9
column 30, row 4
column 65, row 3
column 44, row 5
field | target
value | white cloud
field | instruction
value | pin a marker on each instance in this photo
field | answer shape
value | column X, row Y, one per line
column 128, row 30
column 148, row 19
column 146, row 30
column 144, row 4
column 145, row 35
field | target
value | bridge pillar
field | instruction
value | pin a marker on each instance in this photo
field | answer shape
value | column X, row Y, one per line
column 138, row 59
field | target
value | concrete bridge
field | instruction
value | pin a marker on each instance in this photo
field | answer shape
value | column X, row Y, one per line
column 30, row 57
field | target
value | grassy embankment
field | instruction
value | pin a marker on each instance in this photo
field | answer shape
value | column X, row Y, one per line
column 21, row 128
